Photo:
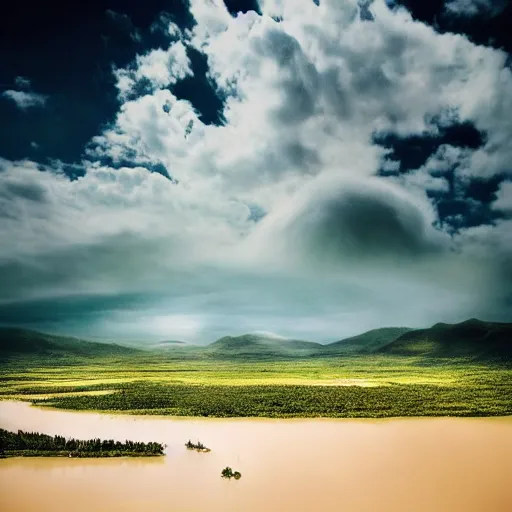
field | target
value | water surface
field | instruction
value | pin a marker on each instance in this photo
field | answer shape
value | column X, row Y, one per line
column 433, row 464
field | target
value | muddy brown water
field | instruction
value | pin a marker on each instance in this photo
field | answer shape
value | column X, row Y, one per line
column 431, row 465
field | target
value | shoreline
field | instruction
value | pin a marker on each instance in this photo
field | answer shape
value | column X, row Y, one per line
column 243, row 419
column 65, row 455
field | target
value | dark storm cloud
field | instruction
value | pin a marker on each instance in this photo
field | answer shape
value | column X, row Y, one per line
column 361, row 220
column 31, row 191
column 298, row 78
column 109, row 261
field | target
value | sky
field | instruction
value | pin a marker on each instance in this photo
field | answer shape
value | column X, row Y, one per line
column 189, row 169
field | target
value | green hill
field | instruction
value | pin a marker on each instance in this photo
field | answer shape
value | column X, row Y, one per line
column 472, row 338
column 366, row 342
column 15, row 342
column 261, row 346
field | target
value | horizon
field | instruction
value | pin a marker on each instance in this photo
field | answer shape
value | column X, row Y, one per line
column 141, row 342
column 313, row 169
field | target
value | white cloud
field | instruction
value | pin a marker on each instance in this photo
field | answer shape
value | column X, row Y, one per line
column 25, row 100
column 160, row 67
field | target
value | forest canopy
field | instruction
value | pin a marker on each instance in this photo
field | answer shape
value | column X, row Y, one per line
column 30, row 444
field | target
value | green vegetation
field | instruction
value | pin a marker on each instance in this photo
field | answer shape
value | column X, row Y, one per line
column 199, row 447
column 31, row 444
column 447, row 370
column 227, row 472
column 356, row 386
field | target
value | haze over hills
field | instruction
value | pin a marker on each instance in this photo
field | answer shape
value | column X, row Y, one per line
column 260, row 345
column 168, row 344
column 472, row 338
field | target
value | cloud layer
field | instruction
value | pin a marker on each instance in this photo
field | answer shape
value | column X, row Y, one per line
column 288, row 216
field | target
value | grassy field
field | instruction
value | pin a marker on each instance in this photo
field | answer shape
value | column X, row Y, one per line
column 351, row 386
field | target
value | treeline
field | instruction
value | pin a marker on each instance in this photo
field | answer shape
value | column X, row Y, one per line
column 33, row 444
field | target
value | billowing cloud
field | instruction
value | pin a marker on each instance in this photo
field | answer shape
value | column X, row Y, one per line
column 158, row 69
column 278, row 217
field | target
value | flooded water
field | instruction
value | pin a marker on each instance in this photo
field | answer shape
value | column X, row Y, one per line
column 431, row 465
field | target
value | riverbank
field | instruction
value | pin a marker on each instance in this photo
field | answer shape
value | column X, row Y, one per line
column 80, row 455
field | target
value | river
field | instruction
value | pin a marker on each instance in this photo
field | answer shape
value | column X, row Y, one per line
column 417, row 464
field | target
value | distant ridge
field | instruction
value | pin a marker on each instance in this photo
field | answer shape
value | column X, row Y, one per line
column 473, row 338
column 366, row 342
column 23, row 342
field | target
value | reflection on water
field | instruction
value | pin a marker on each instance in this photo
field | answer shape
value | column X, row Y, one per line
column 432, row 465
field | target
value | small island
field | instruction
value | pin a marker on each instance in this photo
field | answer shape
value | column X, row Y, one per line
column 229, row 473
column 32, row 444
column 198, row 447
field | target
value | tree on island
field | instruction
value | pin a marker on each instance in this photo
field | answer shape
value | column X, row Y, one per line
column 35, row 444
column 227, row 472
column 200, row 447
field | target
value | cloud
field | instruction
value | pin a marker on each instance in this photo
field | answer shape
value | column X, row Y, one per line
column 25, row 100
column 469, row 8
column 503, row 201
column 22, row 82
column 276, row 218
column 164, row 24
column 158, row 68
column 336, row 222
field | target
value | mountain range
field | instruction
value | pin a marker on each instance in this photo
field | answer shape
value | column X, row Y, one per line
column 472, row 338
